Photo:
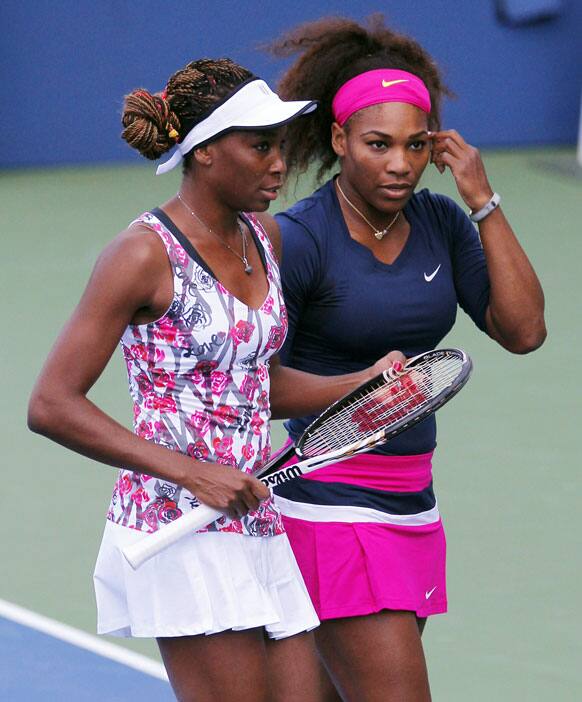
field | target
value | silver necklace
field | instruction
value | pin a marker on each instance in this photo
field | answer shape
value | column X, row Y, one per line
column 243, row 258
column 378, row 233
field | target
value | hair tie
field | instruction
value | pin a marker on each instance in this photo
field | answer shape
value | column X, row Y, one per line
column 172, row 133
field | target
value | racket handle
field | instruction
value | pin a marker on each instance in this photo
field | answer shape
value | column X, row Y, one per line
column 151, row 544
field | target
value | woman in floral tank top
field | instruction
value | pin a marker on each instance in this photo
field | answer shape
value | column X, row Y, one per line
column 191, row 291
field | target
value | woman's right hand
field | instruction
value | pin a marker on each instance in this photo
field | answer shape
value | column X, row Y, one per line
column 226, row 489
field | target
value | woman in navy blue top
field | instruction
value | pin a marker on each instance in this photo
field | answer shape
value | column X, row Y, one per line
column 371, row 265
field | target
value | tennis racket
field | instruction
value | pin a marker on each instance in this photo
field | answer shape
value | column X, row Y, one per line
column 370, row 415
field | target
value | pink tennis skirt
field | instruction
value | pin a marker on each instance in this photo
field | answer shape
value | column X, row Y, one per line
column 367, row 536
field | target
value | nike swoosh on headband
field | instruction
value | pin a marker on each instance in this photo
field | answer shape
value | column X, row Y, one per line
column 388, row 83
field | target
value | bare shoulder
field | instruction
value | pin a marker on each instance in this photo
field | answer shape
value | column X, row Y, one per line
column 133, row 265
column 269, row 224
column 137, row 250
column 139, row 242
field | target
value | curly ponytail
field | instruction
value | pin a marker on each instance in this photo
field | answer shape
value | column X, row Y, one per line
column 331, row 51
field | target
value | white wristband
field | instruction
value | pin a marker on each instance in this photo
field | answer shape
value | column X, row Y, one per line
column 486, row 209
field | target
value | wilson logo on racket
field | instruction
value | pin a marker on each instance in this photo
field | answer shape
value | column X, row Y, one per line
column 282, row 476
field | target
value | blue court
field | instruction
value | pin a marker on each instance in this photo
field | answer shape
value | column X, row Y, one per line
column 70, row 665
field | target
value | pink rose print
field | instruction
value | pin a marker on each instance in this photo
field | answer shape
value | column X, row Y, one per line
column 256, row 423
column 163, row 380
column 206, row 367
column 138, row 351
column 242, row 331
column 162, row 510
column 168, row 511
column 159, row 402
column 149, row 353
column 180, row 255
column 248, row 451
column 166, row 237
column 234, row 527
column 145, row 430
column 263, row 400
column 150, row 516
column 262, row 372
column 222, row 446
column 127, row 355
column 124, row 484
column 268, row 305
column 248, row 387
column 195, row 377
column 140, row 496
column 276, row 338
column 218, row 382
column 227, row 460
column 265, row 453
column 166, row 330
column 200, row 421
column 143, row 383
column 224, row 414
column 161, row 433
column 221, row 288
column 284, row 317
column 198, row 450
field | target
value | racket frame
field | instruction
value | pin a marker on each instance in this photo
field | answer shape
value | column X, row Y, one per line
column 273, row 473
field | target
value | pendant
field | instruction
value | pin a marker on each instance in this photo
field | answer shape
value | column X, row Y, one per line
column 380, row 234
column 248, row 268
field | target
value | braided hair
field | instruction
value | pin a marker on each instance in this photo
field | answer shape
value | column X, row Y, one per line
column 331, row 51
column 154, row 122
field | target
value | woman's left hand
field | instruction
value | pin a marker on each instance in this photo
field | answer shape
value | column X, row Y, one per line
column 450, row 149
column 394, row 360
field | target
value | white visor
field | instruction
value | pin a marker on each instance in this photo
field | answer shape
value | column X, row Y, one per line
column 252, row 106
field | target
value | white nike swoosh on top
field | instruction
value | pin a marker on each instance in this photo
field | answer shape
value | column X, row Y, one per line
column 428, row 278
column 428, row 593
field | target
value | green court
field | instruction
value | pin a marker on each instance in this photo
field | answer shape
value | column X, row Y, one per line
column 506, row 471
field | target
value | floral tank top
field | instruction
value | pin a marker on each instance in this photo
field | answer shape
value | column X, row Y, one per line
column 199, row 380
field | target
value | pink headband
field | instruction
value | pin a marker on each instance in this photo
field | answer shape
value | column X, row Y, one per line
column 374, row 87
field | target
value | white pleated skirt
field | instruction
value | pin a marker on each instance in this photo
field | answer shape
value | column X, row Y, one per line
column 202, row 584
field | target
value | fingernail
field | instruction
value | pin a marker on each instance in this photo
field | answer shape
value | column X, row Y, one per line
column 397, row 366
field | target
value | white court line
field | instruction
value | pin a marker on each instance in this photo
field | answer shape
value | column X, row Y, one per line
column 81, row 639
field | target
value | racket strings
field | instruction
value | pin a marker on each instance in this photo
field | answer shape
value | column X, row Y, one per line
column 382, row 406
